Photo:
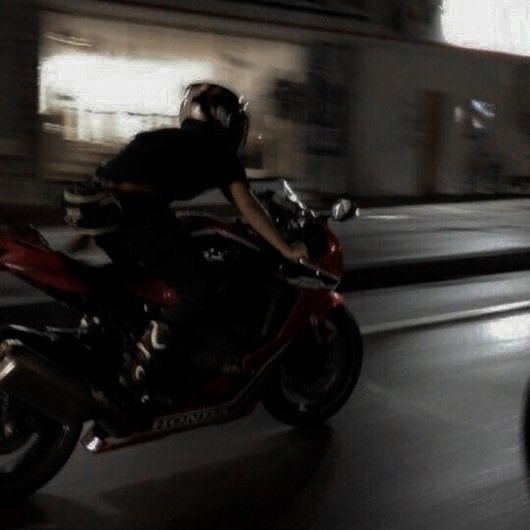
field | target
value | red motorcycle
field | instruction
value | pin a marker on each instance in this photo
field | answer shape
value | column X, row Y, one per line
column 302, row 350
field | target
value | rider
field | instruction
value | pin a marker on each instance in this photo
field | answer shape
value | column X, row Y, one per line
column 158, row 167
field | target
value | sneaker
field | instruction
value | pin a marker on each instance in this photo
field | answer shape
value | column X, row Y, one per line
column 151, row 347
column 154, row 342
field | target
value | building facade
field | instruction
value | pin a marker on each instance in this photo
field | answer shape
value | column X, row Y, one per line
column 350, row 97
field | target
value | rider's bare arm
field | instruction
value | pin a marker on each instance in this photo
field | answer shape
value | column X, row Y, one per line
column 258, row 219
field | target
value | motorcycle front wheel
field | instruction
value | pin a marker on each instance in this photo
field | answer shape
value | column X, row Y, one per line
column 318, row 373
column 33, row 448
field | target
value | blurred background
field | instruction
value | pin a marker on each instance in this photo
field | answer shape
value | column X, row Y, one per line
column 417, row 108
column 373, row 98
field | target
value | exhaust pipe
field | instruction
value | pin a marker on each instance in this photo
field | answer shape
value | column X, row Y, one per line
column 42, row 385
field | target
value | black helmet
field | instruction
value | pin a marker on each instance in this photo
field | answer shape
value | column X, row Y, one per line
column 218, row 106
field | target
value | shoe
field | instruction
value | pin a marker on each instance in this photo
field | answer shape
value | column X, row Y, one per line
column 151, row 347
column 154, row 341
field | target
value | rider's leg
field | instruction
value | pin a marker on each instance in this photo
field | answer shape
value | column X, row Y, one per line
column 209, row 350
column 165, row 249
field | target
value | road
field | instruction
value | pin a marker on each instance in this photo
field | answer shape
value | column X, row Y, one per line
column 431, row 439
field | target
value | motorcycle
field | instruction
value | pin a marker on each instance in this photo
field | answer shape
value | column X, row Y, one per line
column 301, row 350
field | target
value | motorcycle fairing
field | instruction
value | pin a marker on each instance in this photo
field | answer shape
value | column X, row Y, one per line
column 27, row 255
column 39, row 265
column 217, row 399
column 241, row 397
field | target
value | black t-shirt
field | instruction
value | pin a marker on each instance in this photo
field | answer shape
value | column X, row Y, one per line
column 180, row 163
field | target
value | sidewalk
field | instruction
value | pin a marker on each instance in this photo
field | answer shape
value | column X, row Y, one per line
column 413, row 307
column 425, row 243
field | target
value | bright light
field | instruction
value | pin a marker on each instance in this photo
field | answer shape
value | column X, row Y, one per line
column 501, row 25
column 113, row 98
column 509, row 329
column 115, row 84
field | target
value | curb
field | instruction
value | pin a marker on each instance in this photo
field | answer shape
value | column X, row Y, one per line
column 434, row 270
column 444, row 318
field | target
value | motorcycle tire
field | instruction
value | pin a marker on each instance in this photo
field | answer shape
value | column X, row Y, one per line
column 287, row 398
column 38, row 453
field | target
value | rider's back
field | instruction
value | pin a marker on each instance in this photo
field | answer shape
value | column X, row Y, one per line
column 179, row 163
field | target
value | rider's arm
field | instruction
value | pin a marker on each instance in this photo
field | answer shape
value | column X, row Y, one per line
column 258, row 219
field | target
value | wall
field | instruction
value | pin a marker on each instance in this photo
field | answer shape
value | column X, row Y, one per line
column 392, row 79
column 18, row 100
column 387, row 78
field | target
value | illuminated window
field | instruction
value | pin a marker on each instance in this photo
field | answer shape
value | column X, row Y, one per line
column 102, row 81
column 113, row 96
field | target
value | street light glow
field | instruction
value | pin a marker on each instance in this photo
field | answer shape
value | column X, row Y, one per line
column 499, row 25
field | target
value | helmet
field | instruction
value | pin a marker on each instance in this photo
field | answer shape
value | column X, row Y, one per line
column 218, row 106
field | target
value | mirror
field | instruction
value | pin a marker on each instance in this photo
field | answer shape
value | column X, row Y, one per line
column 343, row 210
column 290, row 195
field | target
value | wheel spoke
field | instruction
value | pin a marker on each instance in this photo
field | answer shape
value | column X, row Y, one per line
column 316, row 377
column 312, row 374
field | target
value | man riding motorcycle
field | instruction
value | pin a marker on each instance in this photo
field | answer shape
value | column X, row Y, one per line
column 158, row 167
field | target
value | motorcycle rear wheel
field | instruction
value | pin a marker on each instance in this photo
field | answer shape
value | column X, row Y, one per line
column 312, row 382
column 34, row 453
